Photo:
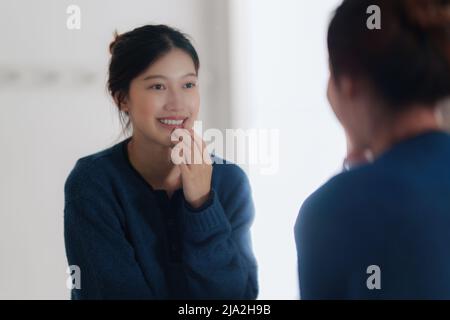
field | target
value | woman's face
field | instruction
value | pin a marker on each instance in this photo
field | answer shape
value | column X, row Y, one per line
column 164, row 97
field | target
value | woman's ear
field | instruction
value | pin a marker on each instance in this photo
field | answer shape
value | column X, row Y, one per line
column 121, row 101
column 347, row 87
column 343, row 85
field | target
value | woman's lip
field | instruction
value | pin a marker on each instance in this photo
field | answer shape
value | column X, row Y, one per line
column 171, row 125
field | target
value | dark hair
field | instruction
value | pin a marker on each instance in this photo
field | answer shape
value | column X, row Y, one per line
column 134, row 51
column 407, row 61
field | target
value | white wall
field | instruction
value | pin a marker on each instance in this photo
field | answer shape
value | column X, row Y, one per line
column 46, row 126
column 279, row 76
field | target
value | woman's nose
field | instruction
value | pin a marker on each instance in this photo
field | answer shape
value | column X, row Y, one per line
column 174, row 101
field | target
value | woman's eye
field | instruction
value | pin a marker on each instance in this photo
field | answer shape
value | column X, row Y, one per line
column 189, row 85
column 157, row 87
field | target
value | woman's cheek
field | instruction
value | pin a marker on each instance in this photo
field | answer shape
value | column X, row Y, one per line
column 195, row 105
column 149, row 108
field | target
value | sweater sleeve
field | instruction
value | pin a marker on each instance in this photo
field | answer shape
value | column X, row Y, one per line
column 217, row 247
column 96, row 243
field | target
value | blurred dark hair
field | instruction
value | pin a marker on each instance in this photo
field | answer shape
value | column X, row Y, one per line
column 134, row 51
column 407, row 61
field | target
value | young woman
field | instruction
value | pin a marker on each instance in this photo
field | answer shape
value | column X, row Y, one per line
column 381, row 229
column 140, row 226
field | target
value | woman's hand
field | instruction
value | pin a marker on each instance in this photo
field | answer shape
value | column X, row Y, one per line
column 196, row 169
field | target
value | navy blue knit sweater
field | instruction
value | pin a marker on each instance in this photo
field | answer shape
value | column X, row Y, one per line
column 133, row 242
column 393, row 214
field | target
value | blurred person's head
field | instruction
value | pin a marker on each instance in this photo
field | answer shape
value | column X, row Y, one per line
column 386, row 80
column 153, row 78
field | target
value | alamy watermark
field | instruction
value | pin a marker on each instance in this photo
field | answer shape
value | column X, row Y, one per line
column 258, row 148
column 73, row 21
column 74, row 279
column 374, row 20
column 374, row 280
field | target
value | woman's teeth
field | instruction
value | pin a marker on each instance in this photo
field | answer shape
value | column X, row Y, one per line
column 171, row 122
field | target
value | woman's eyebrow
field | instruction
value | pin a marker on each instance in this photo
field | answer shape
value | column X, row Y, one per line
column 157, row 76
column 154, row 77
column 190, row 75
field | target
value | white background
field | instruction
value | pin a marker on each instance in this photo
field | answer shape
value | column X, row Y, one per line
column 281, row 46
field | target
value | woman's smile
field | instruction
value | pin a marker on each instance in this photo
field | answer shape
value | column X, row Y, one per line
column 172, row 122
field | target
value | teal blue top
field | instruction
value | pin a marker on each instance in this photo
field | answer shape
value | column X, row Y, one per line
column 133, row 242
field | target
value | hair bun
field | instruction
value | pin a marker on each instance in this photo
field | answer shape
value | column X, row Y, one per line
column 114, row 42
column 433, row 18
column 428, row 14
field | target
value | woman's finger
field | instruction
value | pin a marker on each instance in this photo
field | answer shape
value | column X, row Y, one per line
column 184, row 169
column 200, row 143
column 194, row 147
column 192, row 154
